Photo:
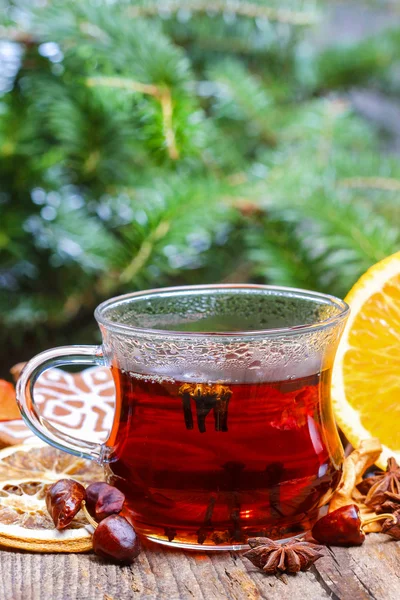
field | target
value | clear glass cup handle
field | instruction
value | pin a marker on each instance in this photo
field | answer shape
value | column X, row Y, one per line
column 64, row 355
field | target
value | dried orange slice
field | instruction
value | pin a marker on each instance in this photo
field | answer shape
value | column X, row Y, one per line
column 25, row 473
column 366, row 375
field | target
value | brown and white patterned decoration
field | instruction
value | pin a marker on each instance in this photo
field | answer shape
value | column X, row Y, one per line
column 79, row 404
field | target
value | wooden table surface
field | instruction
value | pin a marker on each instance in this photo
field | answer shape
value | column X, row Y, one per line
column 368, row 572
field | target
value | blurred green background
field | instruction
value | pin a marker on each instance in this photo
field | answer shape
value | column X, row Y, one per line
column 156, row 143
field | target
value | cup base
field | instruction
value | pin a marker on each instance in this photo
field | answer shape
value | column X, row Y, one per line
column 216, row 548
column 198, row 547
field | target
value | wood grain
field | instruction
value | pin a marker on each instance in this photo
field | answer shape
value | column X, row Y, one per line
column 371, row 572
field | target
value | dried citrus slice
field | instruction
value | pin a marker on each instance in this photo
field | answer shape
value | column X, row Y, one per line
column 366, row 375
column 25, row 473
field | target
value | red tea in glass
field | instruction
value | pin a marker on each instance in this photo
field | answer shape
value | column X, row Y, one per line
column 259, row 467
column 223, row 427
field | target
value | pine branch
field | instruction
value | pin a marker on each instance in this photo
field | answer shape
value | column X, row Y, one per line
column 162, row 94
column 276, row 252
column 144, row 252
column 320, row 231
column 325, row 246
column 249, row 10
column 356, row 64
column 167, row 109
column 241, row 96
column 125, row 84
column 387, row 184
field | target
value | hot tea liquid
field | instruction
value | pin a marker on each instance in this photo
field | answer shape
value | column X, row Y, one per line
column 212, row 464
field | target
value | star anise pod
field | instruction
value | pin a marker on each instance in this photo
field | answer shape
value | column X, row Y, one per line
column 293, row 556
column 388, row 481
column 390, row 503
column 392, row 526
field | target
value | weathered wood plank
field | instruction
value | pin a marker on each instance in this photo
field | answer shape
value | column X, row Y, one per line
column 295, row 587
column 337, row 577
column 371, row 572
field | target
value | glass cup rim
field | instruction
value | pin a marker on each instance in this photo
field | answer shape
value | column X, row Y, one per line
column 115, row 326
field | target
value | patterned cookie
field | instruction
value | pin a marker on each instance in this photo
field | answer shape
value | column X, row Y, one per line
column 80, row 404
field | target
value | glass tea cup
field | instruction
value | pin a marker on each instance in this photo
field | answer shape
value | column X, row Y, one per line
column 223, row 426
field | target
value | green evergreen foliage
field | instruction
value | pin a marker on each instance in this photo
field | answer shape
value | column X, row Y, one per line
column 169, row 142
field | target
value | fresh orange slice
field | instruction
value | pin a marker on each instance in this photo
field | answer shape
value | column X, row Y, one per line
column 366, row 375
column 25, row 473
